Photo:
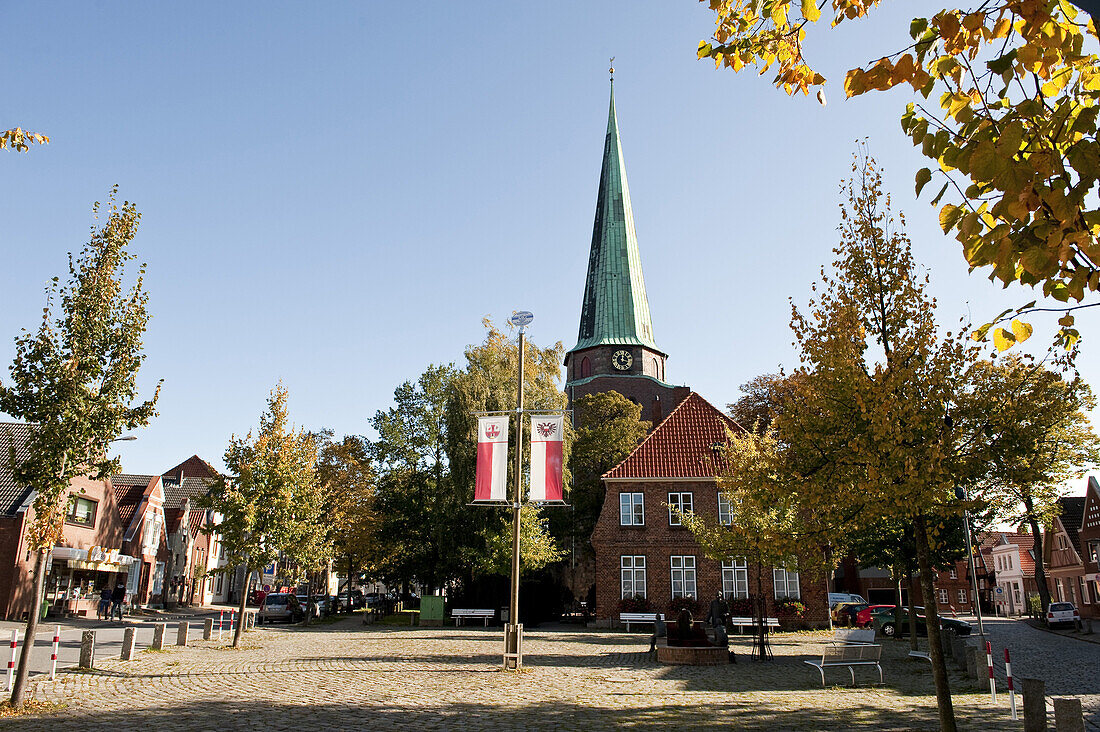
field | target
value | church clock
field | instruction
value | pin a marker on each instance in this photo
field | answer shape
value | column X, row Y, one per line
column 622, row 360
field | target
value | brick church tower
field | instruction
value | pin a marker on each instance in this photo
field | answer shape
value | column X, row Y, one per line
column 615, row 349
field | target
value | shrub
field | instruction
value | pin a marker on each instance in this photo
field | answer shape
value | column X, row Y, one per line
column 635, row 604
column 679, row 603
column 741, row 607
column 789, row 608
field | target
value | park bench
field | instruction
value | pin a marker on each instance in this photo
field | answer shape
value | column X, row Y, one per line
column 629, row 618
column 460, row 614
column 848, row 655
column 742, row 623
column 854, row 636
column 921, row 654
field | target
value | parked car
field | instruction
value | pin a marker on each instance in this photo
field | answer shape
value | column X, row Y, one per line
column 374, row 599
column 863, row 618
column 884, row 622
column 835, row 598
column 280, row 606
column 357, row 600
column 846, row 613
column 1059, row 613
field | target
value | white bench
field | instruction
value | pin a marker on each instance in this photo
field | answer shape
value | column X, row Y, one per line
column 629, row 618
column 742, row 623
column 854, row 636
column 460, row 614
column 849, row 655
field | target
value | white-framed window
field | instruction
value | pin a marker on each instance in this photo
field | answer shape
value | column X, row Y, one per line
column 962, row 597
column 1059, row 590
column 725, row 516
column 954, row 573
column 633, row 575
column 631, row 509
column 943, row 597
column 1085, row 600
column 150, row 539
column 786, row 584
column 681, row 502
column 683, row 576
column 735, row 579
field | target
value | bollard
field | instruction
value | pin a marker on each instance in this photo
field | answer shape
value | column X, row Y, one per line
column 53, row 652
column 989, row 661
column 1035, row 705
column 208, row 629
column 128, row 644
column 1068, row 716
column 87, row 649
column 1011, row 688
column 960, row 653
column 181, row 634
column 11, row 663
column 1088, row 626
column 220, row 614
column 158, row 636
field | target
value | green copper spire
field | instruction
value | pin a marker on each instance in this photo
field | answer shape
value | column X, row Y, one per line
column 615, row 309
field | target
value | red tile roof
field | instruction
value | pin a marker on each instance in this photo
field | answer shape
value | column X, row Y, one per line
column 683, row 445
column 1026, row 543
column 192, row 467
column 128, row 492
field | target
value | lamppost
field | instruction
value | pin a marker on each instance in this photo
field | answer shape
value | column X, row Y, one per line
column 960, row 493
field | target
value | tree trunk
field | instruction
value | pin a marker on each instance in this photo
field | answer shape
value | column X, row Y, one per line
column 21, row 673
column 348, row 585
column 932, row 622
column 244, row 601
column 1040, row 571
column 761, row 608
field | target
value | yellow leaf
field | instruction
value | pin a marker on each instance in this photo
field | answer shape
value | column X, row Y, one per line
column 1003, row 340
column 810, row 11
column 1021, row 330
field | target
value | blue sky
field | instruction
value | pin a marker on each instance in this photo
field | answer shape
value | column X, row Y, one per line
column 335, row 194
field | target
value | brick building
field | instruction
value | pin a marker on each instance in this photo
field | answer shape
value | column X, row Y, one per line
column 1089, row 541
column 641, row 547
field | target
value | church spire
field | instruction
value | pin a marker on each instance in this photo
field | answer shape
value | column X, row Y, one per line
column 615, row 309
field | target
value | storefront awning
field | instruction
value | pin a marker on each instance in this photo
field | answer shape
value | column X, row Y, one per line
column 96, row 557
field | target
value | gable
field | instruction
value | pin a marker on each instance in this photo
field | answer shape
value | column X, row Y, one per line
column 686, row 444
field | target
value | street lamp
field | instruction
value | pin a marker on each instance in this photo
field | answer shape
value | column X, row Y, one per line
column 124, row 438
column 960, row 493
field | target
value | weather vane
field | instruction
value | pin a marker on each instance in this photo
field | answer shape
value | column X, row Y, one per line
column 612, row 69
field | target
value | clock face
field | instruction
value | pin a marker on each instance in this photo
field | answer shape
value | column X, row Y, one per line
column 622, row 360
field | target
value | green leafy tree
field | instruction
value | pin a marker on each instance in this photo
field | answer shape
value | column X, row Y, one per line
column 74, row 379
column 1006, row 108
column 1040, row 438
column 269, row 500
column 537, row 548
column 609, row 427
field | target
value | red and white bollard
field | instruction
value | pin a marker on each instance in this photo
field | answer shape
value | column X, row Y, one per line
column 11, row 662
column 232, row 619
column 989, row 661
column 220, row 614
column 1011, row 690
column 53, row 652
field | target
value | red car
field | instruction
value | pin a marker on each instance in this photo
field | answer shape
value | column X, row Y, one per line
column 863, row 617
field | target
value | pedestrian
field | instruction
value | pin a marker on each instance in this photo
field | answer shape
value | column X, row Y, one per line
column 117, row 598
column 718, row 611
column 660, row 630
column 103, row 611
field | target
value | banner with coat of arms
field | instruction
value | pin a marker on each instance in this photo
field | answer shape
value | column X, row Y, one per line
column 492, row 459
column 546, row 457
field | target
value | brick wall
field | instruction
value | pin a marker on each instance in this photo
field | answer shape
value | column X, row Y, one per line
column 658, row 542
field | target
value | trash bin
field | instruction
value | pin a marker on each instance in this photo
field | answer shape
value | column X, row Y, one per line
column 45, row 609
column 504, row 613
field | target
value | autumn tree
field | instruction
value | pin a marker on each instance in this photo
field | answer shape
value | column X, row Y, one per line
column 19, row 139
column 1040, row 438
column 349, row 496
column 863, row 438
column 609, row 427
column 269, row 499
column 1005, row 107
column 74, row 379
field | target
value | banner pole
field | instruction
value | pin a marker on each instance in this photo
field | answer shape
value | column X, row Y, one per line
column 512, row 657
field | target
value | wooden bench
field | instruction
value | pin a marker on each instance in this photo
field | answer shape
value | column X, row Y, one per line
column 742, row 623
column 460, row 614
column 848, row 655
column 629, row 618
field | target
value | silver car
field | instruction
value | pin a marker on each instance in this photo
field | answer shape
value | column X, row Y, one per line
column 280, row 606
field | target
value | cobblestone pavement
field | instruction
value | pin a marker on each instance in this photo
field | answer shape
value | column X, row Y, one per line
column 1068, row 665
column 348, row 676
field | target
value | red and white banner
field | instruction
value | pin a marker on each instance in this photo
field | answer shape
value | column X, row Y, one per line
column 492, row 459
column 546, row 434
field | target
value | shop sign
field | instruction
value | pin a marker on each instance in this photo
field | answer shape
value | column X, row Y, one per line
column 95, row 566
